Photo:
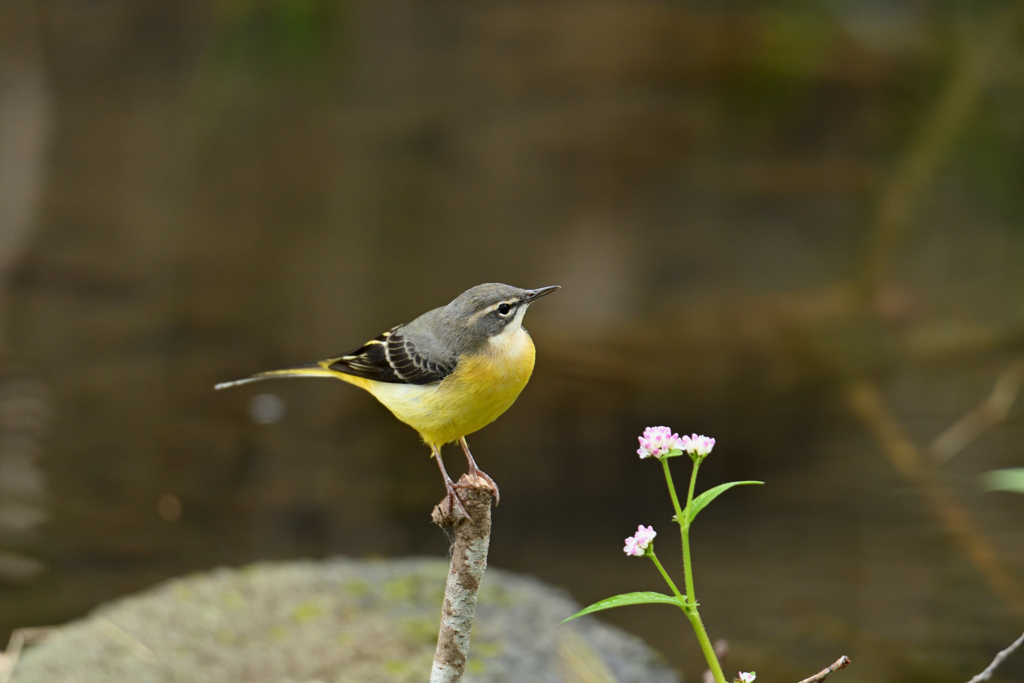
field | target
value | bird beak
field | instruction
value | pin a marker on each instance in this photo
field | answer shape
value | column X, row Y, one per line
column 534, row 294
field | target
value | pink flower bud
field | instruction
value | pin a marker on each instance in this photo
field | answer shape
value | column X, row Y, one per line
column 658, row 441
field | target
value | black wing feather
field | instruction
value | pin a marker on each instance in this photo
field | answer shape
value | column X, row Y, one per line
column 391, row 358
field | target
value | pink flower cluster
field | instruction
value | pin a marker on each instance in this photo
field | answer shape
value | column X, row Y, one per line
column 636, row 545
column 698, row 445
column 658, row 441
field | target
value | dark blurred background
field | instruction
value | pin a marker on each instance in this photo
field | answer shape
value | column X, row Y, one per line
column 793, row 226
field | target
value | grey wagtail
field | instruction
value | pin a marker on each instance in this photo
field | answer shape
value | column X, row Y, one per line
column 446, row 374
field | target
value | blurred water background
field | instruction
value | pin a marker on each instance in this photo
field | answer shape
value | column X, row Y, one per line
column 794, row 226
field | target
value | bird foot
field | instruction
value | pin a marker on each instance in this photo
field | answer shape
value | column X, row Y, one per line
column 476, row 472
column 454, row 500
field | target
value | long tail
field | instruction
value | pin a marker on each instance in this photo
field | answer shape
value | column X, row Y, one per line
column 311, row 370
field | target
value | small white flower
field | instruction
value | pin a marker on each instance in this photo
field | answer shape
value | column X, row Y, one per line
column 658, row 441
column 698, row 445
column 632, row 548
column 636, row 545
column 644, row 535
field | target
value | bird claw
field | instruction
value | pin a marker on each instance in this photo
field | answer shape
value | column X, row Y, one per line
column 454, row 500
column 475, row 472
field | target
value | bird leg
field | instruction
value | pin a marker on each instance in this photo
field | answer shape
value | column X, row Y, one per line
column 453, row 497
column 475, row 471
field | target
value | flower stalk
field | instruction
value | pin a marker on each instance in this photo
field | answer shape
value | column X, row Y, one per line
column 684, row 517
column 661, row 443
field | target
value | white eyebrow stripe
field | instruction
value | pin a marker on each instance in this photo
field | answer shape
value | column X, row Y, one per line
column 493, row 307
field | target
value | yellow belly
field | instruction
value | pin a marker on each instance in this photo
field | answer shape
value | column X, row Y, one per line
column 477, row 393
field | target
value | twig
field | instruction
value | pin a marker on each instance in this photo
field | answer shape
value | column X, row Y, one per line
column 867, row 402
column 128, row 641
column 469, row 560
column 991, row 412
column 987, row 673
column 929, row 146
column 579, row 663
column 20, row 637
column 840, row 663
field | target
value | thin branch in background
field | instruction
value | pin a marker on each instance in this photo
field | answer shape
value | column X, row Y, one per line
column 580, row 663
column 20, row 637
column 992, row 411
column 127, row 641
column 915, row 171
column 867, row 403
column 840, row 663
column 469, row 560
column 987, row 673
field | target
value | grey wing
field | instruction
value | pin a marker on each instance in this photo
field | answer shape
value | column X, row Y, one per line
column 393, row 357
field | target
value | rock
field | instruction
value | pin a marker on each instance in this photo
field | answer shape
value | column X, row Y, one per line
column 336, row 621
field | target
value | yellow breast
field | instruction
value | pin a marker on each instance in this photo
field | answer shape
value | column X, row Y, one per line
column 481, row 388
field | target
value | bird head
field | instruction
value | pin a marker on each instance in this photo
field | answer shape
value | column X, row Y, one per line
column 488, row 310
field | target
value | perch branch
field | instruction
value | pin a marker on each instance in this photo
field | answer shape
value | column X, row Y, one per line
column 469, row 560
column 840, row 663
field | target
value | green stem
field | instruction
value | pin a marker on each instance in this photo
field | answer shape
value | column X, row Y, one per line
column 683, row 517
column 684, row 524
column 668, row 579
column 672, row 490
column 705, row 646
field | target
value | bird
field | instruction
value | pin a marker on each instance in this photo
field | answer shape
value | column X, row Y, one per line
column 447, row 374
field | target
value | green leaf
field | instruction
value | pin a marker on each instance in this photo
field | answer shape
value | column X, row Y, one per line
column 641, row 598
column 1004, row 480
column 701, row 501
column 671, row 454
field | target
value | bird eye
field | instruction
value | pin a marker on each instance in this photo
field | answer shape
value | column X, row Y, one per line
column 503, row 309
